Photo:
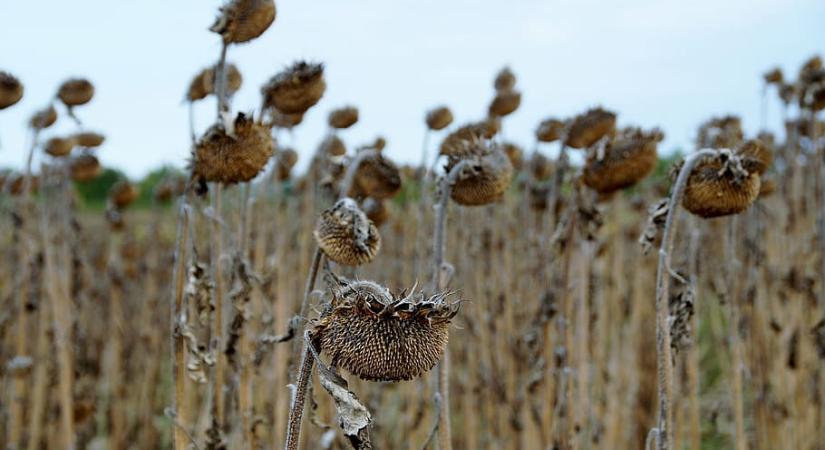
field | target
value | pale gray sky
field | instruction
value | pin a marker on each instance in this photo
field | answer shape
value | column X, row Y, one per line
column 661, row 63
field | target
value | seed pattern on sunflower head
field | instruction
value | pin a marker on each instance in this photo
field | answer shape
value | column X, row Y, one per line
column 379, row 336
column 244, row 20
column 11, row 90
column 587, row 128
column 487, row 176
column 621, row 162
column 439, row 118
column 346, row 235
column 376, row 177
column 343, row 117
column 75, row 92
column 550, row 130
column 232, row 156
column 722, row 185
column 296, row 89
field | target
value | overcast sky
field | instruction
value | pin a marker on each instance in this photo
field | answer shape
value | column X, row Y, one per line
column 661, row 63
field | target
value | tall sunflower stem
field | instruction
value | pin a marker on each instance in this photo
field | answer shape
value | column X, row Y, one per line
column 663, row 351
column 439, row 243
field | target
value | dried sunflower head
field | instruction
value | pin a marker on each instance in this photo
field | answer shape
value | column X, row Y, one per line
column 810, row 69
column 379, row 336
column 44, row 119
column 58, row 147
column 722, row 185
column 295, row 89
column 815, row 96
column 169, row 187
column 721, row 132
column 11, row 90
column 439, row 118
column 549, row 130
column 88, row 139
column 587, row 128
column 505, row 80
column 84, row 167
column 332, row 145
column 376, row 177
column 286, row 121
column 13, row 183
column 541, row 167
column 284, row 162
column 622, row 162
column 346, row 235
column 454, row 143
column 486, row 175
column 75, row 92
column 774, row 76
column 759, row 155
column 232, row 156
column 204, row 82
column 376, row 210
column 122, row 194
column 244, row 20
column 343, row 117
column 505, row 103
column 514, row 154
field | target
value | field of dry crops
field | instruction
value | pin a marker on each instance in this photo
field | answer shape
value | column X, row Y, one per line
column 582, row 294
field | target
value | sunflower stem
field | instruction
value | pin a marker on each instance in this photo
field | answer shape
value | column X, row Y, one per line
column 439, row 243
column 179, row 404
column 296, row 411
column 663, row 352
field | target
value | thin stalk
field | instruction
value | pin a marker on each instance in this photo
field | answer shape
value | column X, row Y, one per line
column 694, row 411
column 217, row 325
column 737, row 362
column 220, row 82
column 663, row 351
column 296, row 411
column 19, row 386
column 439, row 243
column 179, row 405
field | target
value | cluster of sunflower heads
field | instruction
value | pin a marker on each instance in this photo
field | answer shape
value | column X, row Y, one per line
column 622, row 161
column 232, row 153
column 346, row 235
column 727, row 183
column 380, row 336
column 486, row 174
